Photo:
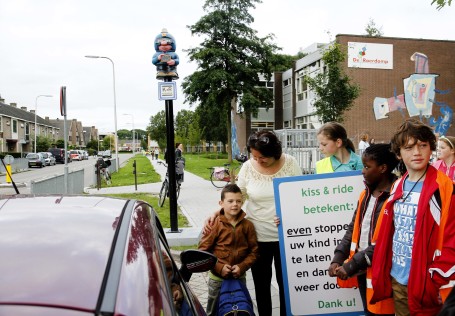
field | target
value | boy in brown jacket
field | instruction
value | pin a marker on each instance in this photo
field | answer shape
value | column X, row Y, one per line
column 232, row 240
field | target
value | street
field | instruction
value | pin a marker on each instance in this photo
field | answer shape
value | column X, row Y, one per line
column 49, row 171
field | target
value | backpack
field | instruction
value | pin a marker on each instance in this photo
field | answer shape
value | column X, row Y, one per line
column 234, row 299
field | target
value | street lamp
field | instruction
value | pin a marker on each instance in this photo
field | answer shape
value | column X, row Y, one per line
column 132, row 119
column 36, row 108
column 115, row 109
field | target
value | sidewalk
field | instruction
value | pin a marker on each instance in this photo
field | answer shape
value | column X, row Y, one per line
column 198, row 200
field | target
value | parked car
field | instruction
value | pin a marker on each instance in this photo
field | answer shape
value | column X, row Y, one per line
column 52, row 160
column 35, row 160
column 85, row 155
column 107, row 154
column 75, row 155
column 59, row 154
column 91, row 255
column 48, row 158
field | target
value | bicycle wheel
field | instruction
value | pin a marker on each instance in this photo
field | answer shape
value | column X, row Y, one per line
column 177, row 190
column 163, row 193
column 107, row 177
column 218, row 181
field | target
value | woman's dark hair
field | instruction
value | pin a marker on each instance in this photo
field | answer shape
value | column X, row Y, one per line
column 266, row 143
column 412, row 129
column 382, row 154
column 334, row 131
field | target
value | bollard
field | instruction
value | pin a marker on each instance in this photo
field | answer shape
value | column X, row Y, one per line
column 8, row 173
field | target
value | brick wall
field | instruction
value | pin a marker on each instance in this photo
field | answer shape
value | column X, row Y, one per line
column 381, row 83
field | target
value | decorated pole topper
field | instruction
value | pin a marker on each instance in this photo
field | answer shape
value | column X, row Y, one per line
column 165, row 59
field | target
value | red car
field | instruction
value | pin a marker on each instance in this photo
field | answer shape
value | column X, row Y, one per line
column 90, row 255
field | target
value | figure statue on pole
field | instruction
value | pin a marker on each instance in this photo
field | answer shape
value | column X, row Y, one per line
column 165, row 59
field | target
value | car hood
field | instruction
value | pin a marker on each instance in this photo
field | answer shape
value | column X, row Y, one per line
column 54, row 249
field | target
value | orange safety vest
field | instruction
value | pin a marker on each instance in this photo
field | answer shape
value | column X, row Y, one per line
column 383, row 307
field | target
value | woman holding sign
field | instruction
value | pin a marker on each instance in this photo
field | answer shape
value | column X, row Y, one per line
column 338, row 150
column 256, row 182
column 353, row 256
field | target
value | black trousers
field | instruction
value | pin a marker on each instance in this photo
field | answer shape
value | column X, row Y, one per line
column 262, row 277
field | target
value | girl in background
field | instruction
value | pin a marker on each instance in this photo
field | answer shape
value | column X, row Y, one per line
column 446, row 156
column 338, row 150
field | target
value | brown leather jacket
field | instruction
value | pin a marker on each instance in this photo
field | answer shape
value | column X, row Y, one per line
column 233, row 245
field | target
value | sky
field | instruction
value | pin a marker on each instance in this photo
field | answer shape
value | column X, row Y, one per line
column 43, row 44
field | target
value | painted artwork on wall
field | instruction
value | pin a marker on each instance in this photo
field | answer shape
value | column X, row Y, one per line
column 418, row 99
column 419, row 94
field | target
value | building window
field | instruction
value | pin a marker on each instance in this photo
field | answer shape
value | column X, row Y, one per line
column 14, row 126
column 287, row 82
column 257, row 126
column 1, row 123
column 27, row 131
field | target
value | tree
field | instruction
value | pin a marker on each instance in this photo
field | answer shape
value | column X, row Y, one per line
column 157, row 129
column 108, row 142
column 43, row 143
column 183, row 121
column 372, row 30
column 441, row 3
column 334, row 92
column 93, row 144
column 230, row 60
column 60, row 143
column 213, row 123
column 124, row 134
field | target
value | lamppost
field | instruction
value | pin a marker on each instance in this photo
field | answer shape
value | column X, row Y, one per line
column 36, row 108
column 132, row 119
column 115, row 110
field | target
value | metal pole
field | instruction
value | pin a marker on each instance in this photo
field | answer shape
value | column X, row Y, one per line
column 115, row 109
column 171, row 163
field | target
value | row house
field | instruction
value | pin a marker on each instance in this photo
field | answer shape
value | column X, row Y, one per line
column 78, row 135
column 17, row 128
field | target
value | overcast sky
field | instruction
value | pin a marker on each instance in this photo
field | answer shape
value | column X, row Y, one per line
column 43, row 44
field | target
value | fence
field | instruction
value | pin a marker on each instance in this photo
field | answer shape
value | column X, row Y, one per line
column 19, row 164
column 301, row 144
column 56, row 184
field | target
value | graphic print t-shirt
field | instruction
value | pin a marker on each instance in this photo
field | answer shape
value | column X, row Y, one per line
column 403, row 238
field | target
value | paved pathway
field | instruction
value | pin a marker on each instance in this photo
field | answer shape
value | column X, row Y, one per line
column 198, row 200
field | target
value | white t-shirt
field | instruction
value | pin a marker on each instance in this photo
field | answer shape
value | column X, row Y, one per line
column 257, row 189
column 362, row 146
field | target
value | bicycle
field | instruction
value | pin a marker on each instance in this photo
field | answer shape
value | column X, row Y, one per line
column 221, row 176
column 106, row 175
column 164, row 191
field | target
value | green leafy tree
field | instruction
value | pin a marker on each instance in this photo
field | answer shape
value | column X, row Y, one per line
column 182, row 123
column 108, row 142
column 93, row 144
column 59, row 143
column 212, row 123
column 372, row 30
column 43, row 143
column 157, row 129
column 230, row 60
column 335, row 93
column 124, row 134
column 441, row 3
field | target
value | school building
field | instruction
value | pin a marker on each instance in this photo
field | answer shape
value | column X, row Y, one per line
column 398, row 78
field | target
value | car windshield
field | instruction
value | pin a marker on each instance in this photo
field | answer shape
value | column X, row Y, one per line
column 32, row 156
